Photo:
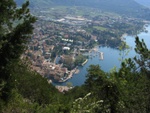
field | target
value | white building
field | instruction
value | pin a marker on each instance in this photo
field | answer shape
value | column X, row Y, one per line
column 66, row 48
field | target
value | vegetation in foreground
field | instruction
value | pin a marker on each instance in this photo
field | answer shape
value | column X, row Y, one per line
column 22, row 90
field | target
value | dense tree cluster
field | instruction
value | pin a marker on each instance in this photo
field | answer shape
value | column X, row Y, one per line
column 15, row 30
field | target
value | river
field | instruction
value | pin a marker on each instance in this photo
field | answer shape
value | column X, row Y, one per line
column 111, row 58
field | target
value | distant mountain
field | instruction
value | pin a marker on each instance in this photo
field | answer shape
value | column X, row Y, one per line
column 144, row 2
column 37, row 3
column 123, row 7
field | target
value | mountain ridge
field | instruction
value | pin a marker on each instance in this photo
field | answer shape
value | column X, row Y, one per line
column 144, row 2
column 128, row 7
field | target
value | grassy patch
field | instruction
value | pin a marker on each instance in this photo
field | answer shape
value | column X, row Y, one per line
column 99, row 28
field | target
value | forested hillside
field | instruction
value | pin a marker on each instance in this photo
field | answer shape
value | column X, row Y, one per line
column 126, row 90
column 128, row 7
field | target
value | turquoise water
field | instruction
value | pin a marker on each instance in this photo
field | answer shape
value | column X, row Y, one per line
column 111, row 58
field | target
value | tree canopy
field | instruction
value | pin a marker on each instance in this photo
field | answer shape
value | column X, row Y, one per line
column 16, row 25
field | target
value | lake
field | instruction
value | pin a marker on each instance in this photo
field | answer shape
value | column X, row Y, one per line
column 111, row 58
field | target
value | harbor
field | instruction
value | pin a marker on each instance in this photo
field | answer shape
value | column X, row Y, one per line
column 70, row 74
column 110, row 58
column 93, row 53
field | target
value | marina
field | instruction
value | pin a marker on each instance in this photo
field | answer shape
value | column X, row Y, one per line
column 110, row 58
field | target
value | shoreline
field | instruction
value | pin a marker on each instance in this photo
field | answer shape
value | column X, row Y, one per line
column 95, row 47
column 70, row 75
column 123, row 36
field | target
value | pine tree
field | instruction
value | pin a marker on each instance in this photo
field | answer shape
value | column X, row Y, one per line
column 134, row 81
column 143, row 61
column 16, row 25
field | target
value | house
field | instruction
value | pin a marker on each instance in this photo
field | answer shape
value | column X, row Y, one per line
column 66, row 48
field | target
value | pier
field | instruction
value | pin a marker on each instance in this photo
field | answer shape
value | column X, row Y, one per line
column 101, row 56
column 84, row 62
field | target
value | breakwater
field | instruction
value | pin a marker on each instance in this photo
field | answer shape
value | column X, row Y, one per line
column 101, row 56
column 84, row 62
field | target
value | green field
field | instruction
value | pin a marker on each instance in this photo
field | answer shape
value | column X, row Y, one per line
column 99, row 28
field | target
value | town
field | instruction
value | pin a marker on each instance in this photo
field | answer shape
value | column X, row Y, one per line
column 57, row 45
